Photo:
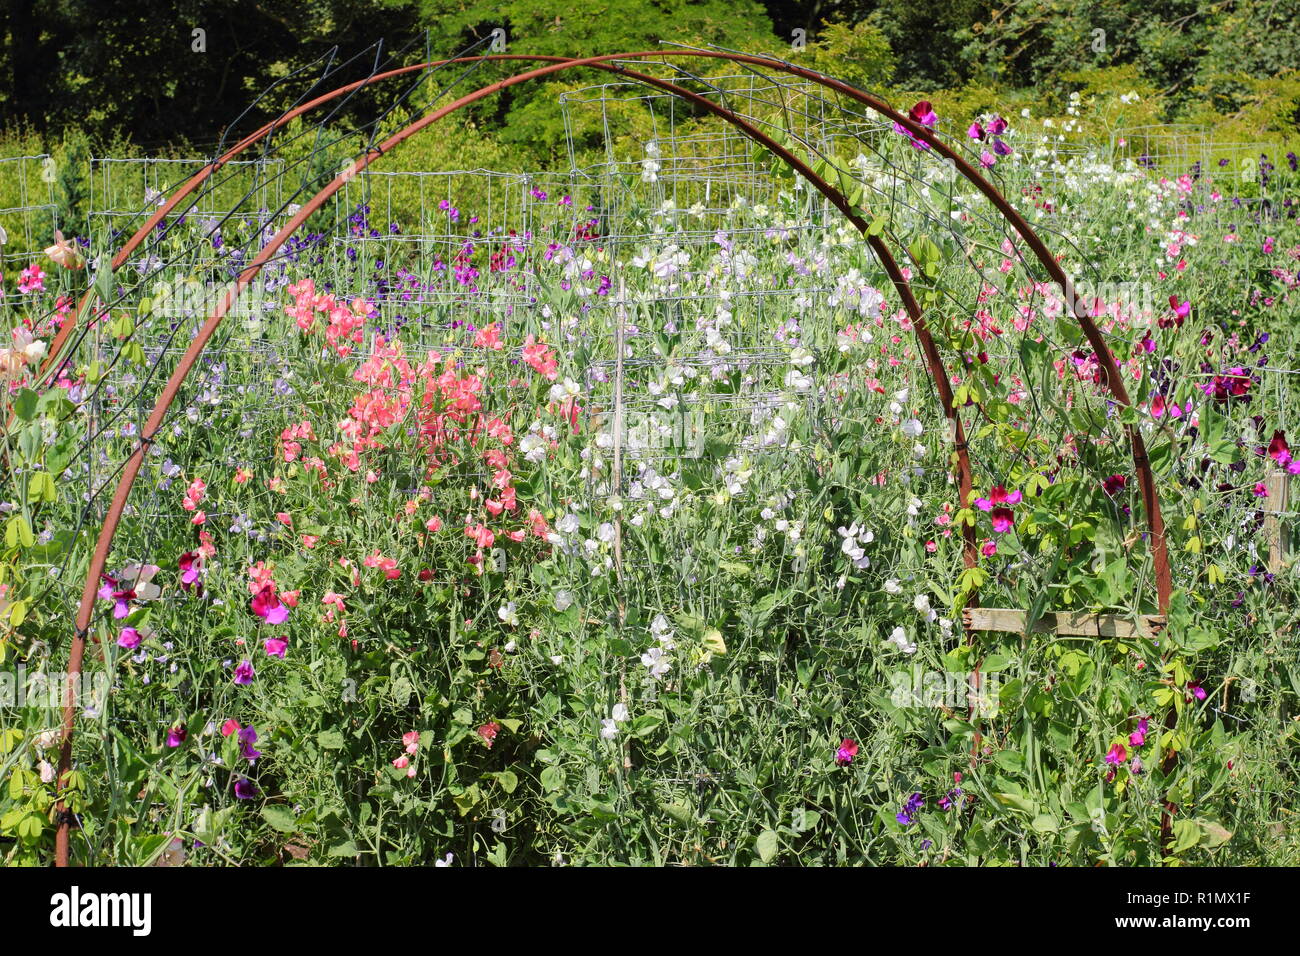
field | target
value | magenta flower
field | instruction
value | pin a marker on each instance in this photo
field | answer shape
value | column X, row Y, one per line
column 1117, row 755
column 244, row 673
column 1139, row 736
column 1278, row 449
column 996, row 502
column 268, row 606
column 1003, row 520
column 998, row 496
column 848, row 749
column 1114, row 484
column 276, row 647
column 129, row 638
column 1197, row 690
column 176, row 736
column 191, row 567
column 921, row 113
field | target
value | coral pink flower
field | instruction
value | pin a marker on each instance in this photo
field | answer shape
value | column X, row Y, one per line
column 194, row 494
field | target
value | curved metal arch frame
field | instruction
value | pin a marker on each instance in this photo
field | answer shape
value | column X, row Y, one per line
column 609, row 64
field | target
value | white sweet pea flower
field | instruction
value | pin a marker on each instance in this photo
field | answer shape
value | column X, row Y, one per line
column 913, row 428
column 898, row 638
column 655, row 662
column 508, row 614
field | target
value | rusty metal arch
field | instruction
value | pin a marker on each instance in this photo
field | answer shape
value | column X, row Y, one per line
column 556, row 64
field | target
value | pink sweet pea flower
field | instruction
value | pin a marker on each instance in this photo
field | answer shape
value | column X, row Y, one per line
column 848, row 749
column 1139, row 736
column 276, row 647
column 268, row 606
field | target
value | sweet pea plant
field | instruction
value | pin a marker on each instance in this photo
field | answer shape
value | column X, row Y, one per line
column 443, row 599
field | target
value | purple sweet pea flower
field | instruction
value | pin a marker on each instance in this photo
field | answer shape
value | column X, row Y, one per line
column 244, row 673
column 245, row 789
column 914, row 803
column 248, row 737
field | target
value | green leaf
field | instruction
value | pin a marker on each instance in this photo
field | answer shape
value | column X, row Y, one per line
column 507, row 780
column 647, row 723
column 1187, row 833
column 330, row 740
column 768, row 845
column 280, row 818
column 552, row 779
column 25, row 404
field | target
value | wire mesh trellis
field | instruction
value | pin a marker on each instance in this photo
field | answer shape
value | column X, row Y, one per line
column 29, row 214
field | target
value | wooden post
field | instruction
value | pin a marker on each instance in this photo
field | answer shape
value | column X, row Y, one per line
column 1279, row 487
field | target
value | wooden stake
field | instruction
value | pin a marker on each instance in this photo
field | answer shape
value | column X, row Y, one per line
column 1279, row 487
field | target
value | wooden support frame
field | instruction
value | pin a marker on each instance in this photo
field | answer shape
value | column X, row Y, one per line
column 1064, row 623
